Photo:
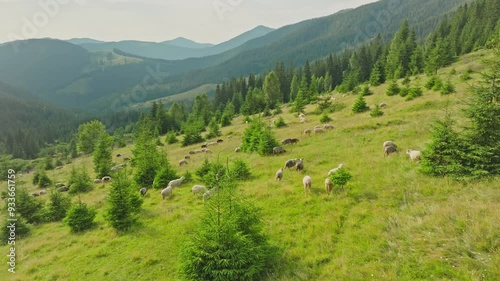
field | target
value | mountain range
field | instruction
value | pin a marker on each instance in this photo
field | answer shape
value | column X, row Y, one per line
column 101, row 76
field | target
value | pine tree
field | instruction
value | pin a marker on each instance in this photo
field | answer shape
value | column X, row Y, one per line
column 294, row 88
column 58, row 206
column 272, row 90
column 360, row 105
column 377, row 76
column 123, row 203
column 102, row 157
column 393, row 88
column 146, row 158
column 80, row 217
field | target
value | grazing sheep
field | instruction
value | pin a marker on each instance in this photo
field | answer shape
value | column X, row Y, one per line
column 279, row 174
column 198, row 189
column 187, row 157
column 58, row 167
column 183, row 162
column 59, row 184
column 389, row 143
column 382, row 104
column 176, row 183
column 390, row 149
column 278, row 150
column 300, row 165
column 42, row 192
column 220, row 140
column 166, row 192
column 97, row 181
column 327, row 126
column 230, row 137
column 118, row 155
column 317, row 127
column 415, row 155
column 333, row 99
column 35, row 194
column 126, row 159
column 117, row 167
column 63, row 189
column 334, row 170
column 203, row 150
column 290, row 163
column 318, row 131
column 208, row 151
column 328, row 185
column 307, row 132
column 106, row 179
column 303, row 120
column 198, row 151
column 192, row 152
column 212, row 143
column 294, row 141
column 143, row 191
column 302, row 115
column 203, row 146
column 286, row 141
column 208, row 194
column 238, row 149
column 307, row 182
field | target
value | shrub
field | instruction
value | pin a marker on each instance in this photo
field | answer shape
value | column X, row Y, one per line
column 28, row 206
column 393, row 88
column 41, row 179
column 414, row 92
column 431, row 82
column 360, row 105
column 365, row 91
column 240, row 170
column 210, row 173
column 466, row 76
column 325, row 118
column 453, row 71
column 259, row 138
column 171, row 138
column 124, row 203
column 341, row 177
column 22, row 230
column 404, row 91
column 376, row 112
column 228, row 243
column 447, row 88
column 406, row 81
column 280, row 122
column 80, row 217
column 278, row 110
column 437, row 85
column 57, row 206
column 225, row 120
column 79, row 181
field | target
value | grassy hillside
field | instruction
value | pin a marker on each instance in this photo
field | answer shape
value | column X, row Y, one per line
column 389, row 223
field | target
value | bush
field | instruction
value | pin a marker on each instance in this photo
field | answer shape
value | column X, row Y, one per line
column 431, row 82
column 210, row 173
column 325, row 118
column 278, row 110
column 376, row 112
column 406, row 81
column 228, row 242
column 240, row 170
column 341, row 177
column 80, row 217
column 171, row 138
column 365, row 91
column 393, row 88
column 453, row 71
column 58, row 206
column 41, row 179
column 225, row 120
column 28, row 207
column 280, row 122
column 22, row 230
column 466, row 76
column 437, row 85
column 259, row 138
column 360, row 105
column 79, row 181
column 404, row 91
column 414, row 92
column 124, row 203
column 447, row 88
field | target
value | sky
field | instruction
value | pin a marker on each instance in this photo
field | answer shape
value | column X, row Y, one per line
column 204, row 21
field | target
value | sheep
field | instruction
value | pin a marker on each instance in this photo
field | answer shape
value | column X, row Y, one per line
column 290, row 163
column 230, row 137
column 389, row 143
column 59, row 184
column 334, row 170
column 208, row 194
column 187, row 157
column 300, row 165
column 294, row 141
column 197, row 151
column 307, row 182
column 307, row 132
column 318, row 131
column 143, row 191
column 327, row 126
column 176, row 183
column 328, row 186
column 192, row 152
column 286, row 141
column 96, row 181
column 317, row 127
column 390, row 149
column 382, row 104
column 42, row 192
column 118, row 155
column 106, row 179
column 203, row 146
column 204, row 150
column 415, row 155
column 279, row 174
column 198, row 189
column 303, row 120
column 220, row 140
column 63, row 189
column 278, row 150
column 59, row 167
column 117, row 168
column 35, row 194
column 238, row 149
column 302, row 115
column 126, row 158
column 208, row 151
column 166, row 192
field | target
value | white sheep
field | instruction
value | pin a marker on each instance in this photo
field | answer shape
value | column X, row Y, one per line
column 307, row 132
column 302, row 115
column 389, row 143
column 238, row 149
column 382, row 104
column 303, row 120
column 143, row 191
column 318, row 131
column 328, row 185
column 415, row 155
column 317, row 127
column 42, row 192
column 166, row 192
column 334, row 170
column 279, row 174
column 208, row 151
column 106, row 179
column 176, row 183
column 183, row 162
column 390, row 149
column 327, row 126
column 198, row 189
column 307, row 182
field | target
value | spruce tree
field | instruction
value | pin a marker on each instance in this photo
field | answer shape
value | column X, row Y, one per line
column 393, row 88
column 102, row 156
column 360, row 105
column 123, row 203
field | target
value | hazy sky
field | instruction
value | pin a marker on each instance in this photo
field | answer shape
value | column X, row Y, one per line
column 205, row 21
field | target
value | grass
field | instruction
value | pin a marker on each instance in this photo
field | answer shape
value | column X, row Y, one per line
column 390, row 222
